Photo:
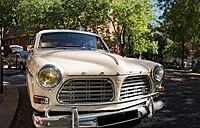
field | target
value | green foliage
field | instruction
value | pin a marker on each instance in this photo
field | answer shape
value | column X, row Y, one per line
column 85, row 13
column 6, row 13
column 174, row 49
column 133, row 18
column 197, row 49
column 34, row 15
column 130, row 19
column 181, row 21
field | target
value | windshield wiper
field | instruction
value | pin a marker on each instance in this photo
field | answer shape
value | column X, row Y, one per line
column 66, row 47
column 86, row 48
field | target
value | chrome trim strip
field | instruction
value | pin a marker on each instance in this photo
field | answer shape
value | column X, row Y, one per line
column 75, row 118
column 86, row 120
column 29, row 72
column 115, row 59
column 110, row 103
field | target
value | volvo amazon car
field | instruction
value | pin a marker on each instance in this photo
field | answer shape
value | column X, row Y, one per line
column 75, row 81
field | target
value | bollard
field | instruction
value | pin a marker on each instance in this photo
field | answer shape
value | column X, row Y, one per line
column 1, row 73
column 16, row 61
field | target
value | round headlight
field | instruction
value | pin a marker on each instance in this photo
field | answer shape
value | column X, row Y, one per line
column 49, row 76
column 158, row 73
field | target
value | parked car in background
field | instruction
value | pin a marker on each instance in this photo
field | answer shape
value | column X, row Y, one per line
column 5, row 62
column 167, row 65
column 74, row 81
column 15, row 48
column 176, row 65
column 171, row 65
column 18, row 59
column 196, row 67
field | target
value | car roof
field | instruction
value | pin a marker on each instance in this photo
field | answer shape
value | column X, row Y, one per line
column 64, row 30
column 20, row 52
column 15, row 45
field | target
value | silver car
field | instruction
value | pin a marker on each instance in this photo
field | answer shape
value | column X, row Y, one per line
column 17, row 59
column 74, row 81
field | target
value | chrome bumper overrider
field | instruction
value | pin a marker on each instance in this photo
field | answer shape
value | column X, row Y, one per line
column 76, row 120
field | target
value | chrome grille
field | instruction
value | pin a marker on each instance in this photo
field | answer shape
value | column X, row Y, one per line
column 135, row 86
column 86, row 91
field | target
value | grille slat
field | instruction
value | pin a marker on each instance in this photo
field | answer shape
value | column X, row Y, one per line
column 85, row 91
column 81, row 87
column 82, row 83
column 135, row 86
column 131, row 95
column 86, row 100
column 135, row 91
column 135, row 81
column 81, row 91
column 83, row 95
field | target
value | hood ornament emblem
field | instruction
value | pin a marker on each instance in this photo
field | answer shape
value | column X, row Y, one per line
column 83, row 73
column 117, row 73
column 101, row 73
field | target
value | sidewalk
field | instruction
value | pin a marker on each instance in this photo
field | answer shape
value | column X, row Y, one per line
column 8, row 105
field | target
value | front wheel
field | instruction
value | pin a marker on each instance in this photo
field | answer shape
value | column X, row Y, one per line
column 5, row 64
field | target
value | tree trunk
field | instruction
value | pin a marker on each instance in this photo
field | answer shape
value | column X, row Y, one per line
column 130, row 45
column 183, row 49
column 123, row 40
column 1, row 63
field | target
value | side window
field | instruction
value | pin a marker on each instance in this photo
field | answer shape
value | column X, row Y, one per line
column 13, row 55
column 17, row 55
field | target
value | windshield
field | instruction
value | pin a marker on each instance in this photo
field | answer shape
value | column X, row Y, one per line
column 70, row 40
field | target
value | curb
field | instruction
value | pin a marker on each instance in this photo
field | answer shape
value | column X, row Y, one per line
column 9, row 106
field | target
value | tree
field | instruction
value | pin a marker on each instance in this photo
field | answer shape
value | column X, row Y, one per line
column 88, row 14
column 6, row 15
column 130, row 19
column 181, row 22
column 34, row 15
column 173, row 49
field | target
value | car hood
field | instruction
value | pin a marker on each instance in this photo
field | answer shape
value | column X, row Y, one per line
column 91, row 62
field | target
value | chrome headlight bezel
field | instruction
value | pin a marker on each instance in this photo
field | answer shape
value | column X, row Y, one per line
column 55, row 70
column 158, row 73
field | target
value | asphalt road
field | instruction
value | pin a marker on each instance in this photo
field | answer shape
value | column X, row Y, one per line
column 181, row 96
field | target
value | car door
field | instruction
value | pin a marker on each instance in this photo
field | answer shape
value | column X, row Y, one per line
column 13, row 59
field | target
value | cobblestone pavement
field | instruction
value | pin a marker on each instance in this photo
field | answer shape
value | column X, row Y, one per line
column 181, row 96
column 182, row 110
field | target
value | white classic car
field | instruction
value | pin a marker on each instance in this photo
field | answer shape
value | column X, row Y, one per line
column 74, row 81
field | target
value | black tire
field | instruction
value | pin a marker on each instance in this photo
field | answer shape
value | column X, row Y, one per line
column 4, row 64
column 9, row 66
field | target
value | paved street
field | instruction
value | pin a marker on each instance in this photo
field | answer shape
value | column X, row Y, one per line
column 181, row 96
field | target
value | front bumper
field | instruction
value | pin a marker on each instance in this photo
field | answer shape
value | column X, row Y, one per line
column 97, row 119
